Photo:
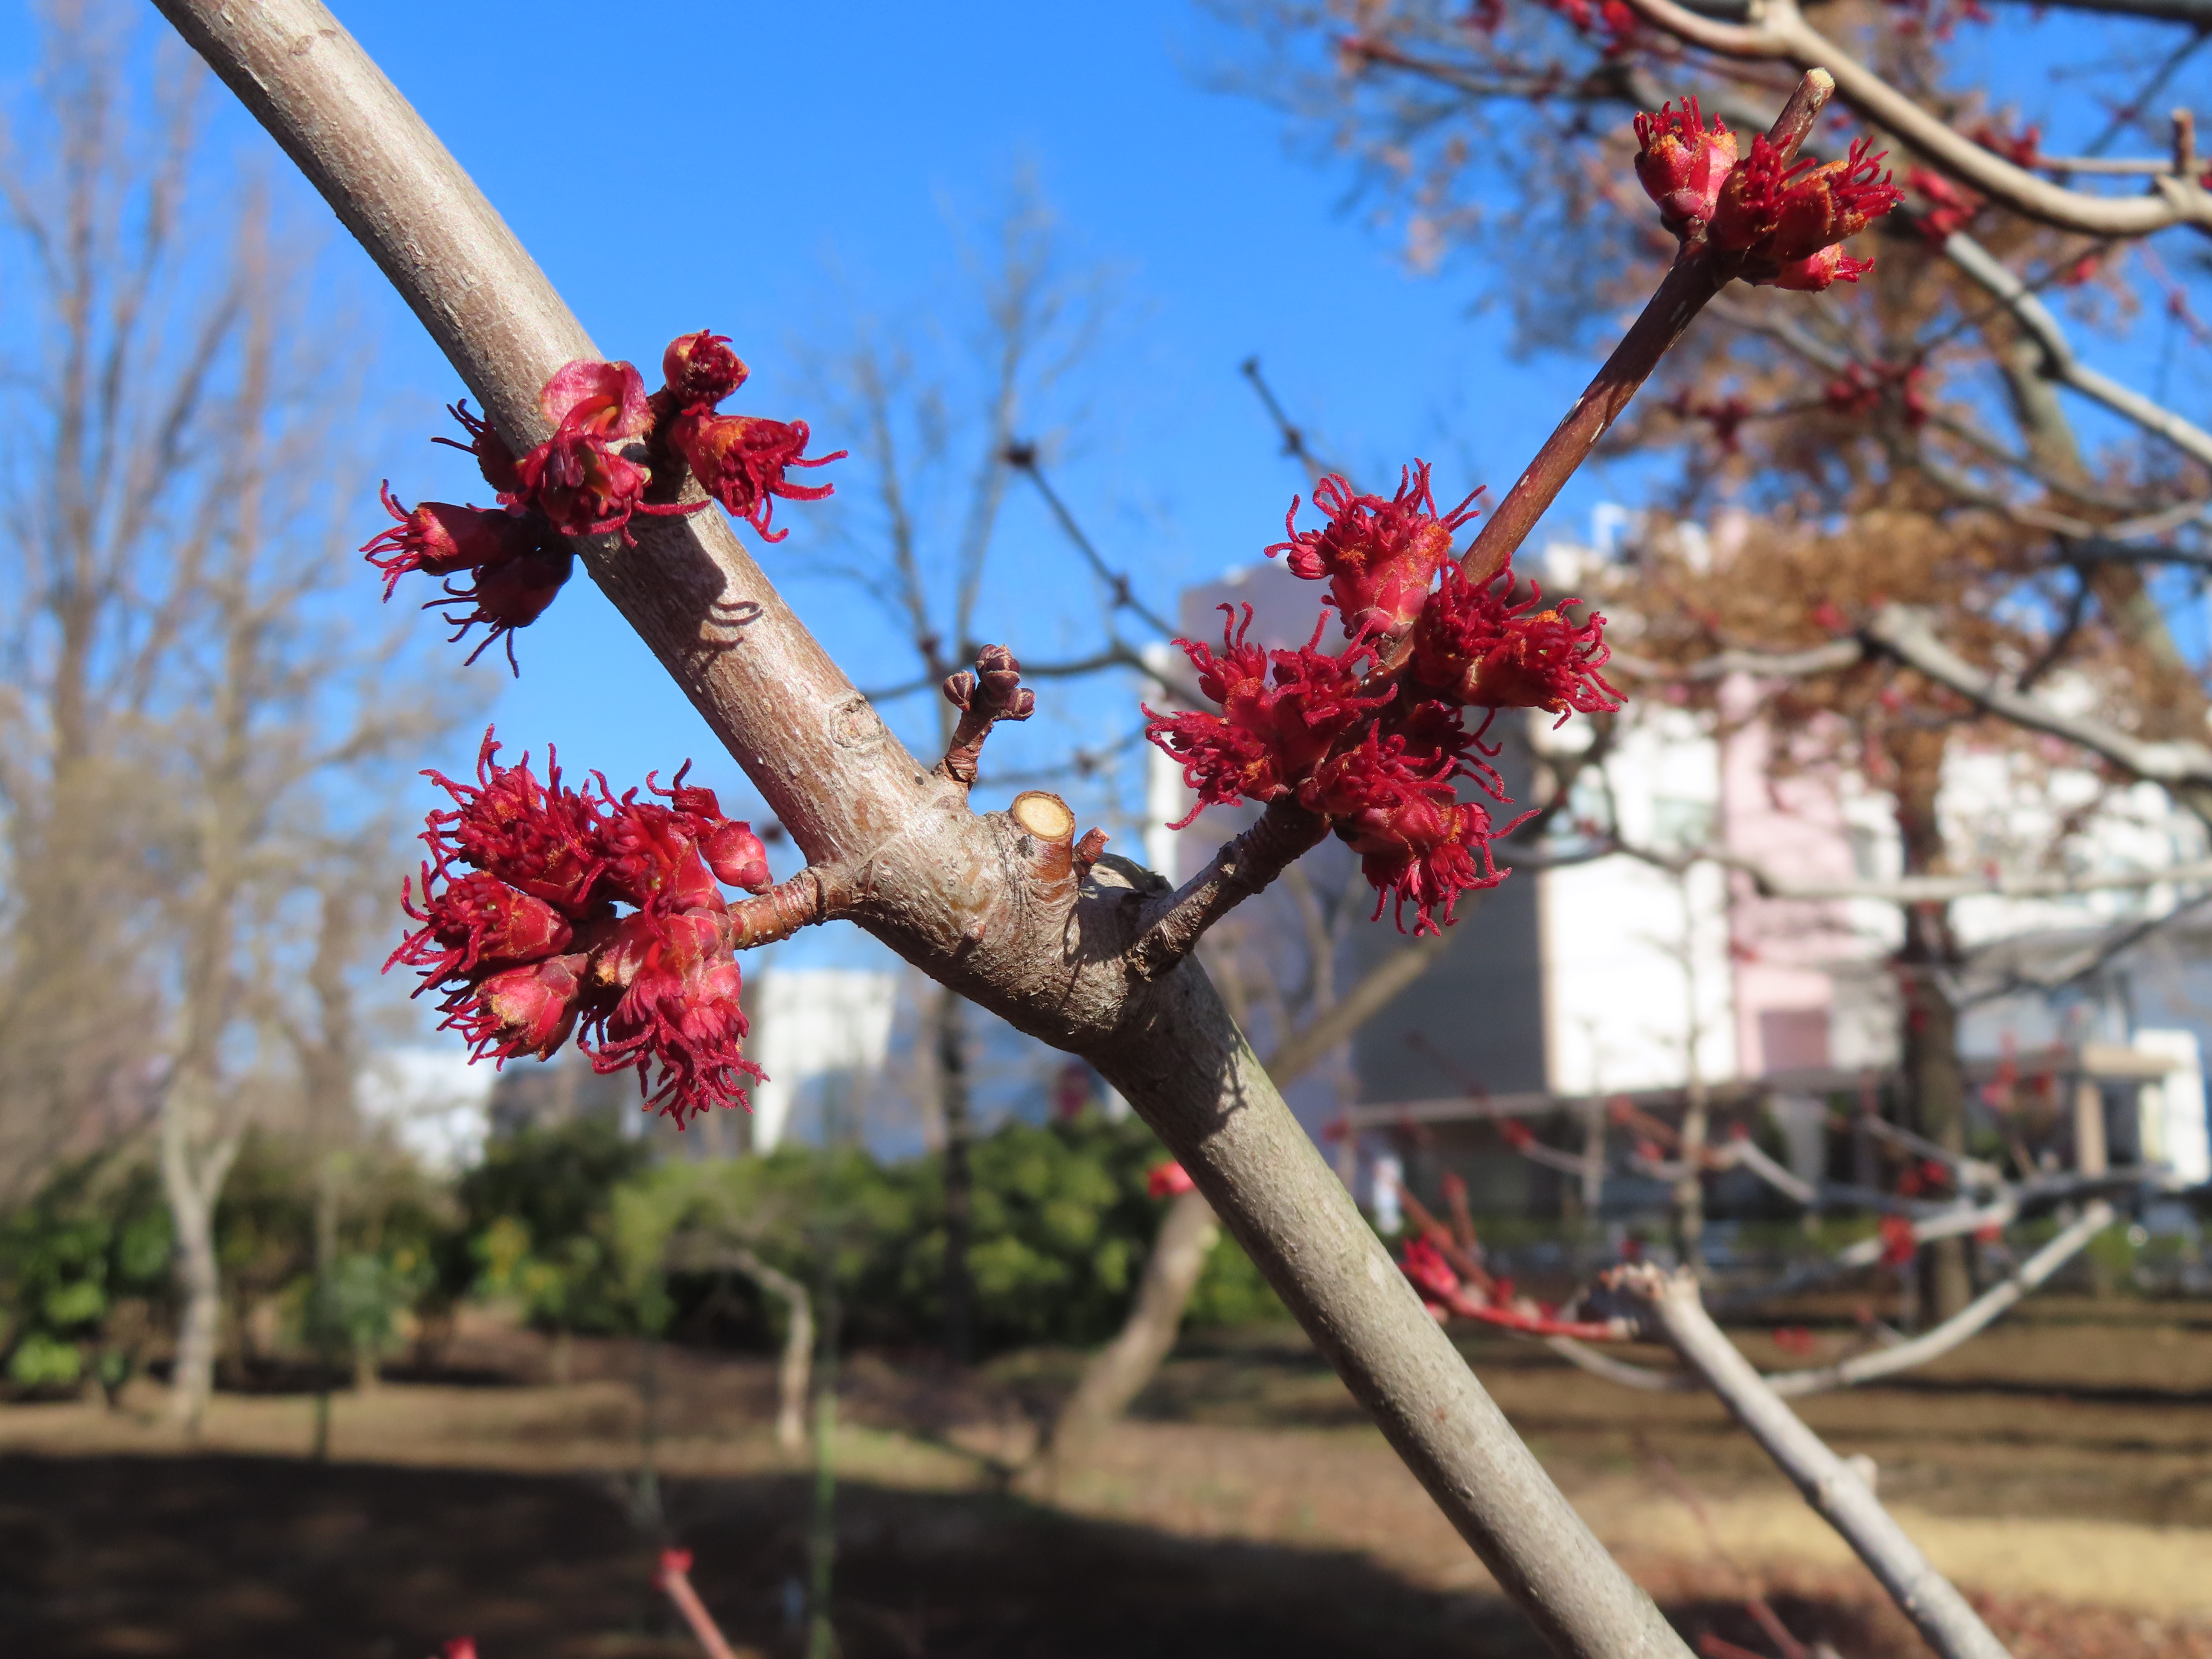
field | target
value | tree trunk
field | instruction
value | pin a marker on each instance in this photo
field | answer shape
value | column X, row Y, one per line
column 192, row 1187
column 959, row 1179
column 1934, row 1078
column 1119, row 1373
column 792, row 1374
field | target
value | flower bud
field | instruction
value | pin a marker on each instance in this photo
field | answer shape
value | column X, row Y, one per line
column 1681, row 165
column 702, row 370
column 531, row 1011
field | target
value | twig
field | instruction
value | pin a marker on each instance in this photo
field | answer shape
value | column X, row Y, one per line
column 1970, row 1320
column 1294, row 437
column 1239, row 869
column 1781, row 34
column 1023, row 458
column 2183, row 767
column 1832, row 1487
column 991, row 692
column 675, row 1581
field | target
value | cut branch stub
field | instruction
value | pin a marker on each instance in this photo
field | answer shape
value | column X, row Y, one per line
column 992, row 693
column 1049, row 823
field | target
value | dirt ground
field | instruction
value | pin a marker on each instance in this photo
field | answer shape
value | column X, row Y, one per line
column 2061, row 1469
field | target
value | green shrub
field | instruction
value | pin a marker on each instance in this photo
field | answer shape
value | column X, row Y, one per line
column 84, row 1275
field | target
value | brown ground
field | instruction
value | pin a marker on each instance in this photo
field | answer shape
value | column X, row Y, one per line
column 2061, row 1469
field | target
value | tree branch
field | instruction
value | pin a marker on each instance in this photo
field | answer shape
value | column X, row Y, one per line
column 2059, row 363
column 1831, row 1485
column 2183, row 767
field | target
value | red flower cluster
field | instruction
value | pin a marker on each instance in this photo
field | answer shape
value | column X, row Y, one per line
column 1859, row 389
column 514, row 563
column 1376, row 749
column 582, row 481
column 526, row 940
column 1611, row 18
column 1951, row 208
column 1474, row 645
column 738, row 459
column 1726, row 416
column 1784, row 225
column 1765, row 221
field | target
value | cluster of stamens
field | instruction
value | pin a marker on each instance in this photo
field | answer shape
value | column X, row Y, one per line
column 501, row 566
column 1755, row 214
column 548, row 911
column 1374, row 736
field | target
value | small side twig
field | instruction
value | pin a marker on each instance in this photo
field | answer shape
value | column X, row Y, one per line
column 815, row 895
column 1692, row 282
column 992, row 692
column 675, row 1581
column 1242, row 867
column 1833, row 1488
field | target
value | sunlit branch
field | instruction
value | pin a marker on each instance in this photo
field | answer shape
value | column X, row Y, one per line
column 1832, row 1486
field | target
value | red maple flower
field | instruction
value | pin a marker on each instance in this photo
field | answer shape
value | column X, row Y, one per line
column 544, row 839
column 510, row 594
column 1859, row 390
column 1168, row 1179
column 1822, row 270
column 476, row 920
column 1281, row 713
column 577, row 478
column 441, row 539
column 741, row 460
column 2023, row 149
column 1379, row 557
column 1431, row 1275
column 678, row 1006
column 702, row 370
column 1476, row 647
column 529, row 1010
column 494, row 459
column 1954, row 209
column 1417, row 843
column 527, row 947
column 1681, row 164
column 1899, row 1244
column 732, row 850
column 1769, row 216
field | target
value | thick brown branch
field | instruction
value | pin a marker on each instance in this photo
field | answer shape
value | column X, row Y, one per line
column 1241, row 868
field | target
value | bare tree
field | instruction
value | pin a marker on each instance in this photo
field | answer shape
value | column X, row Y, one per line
column 187, row 700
